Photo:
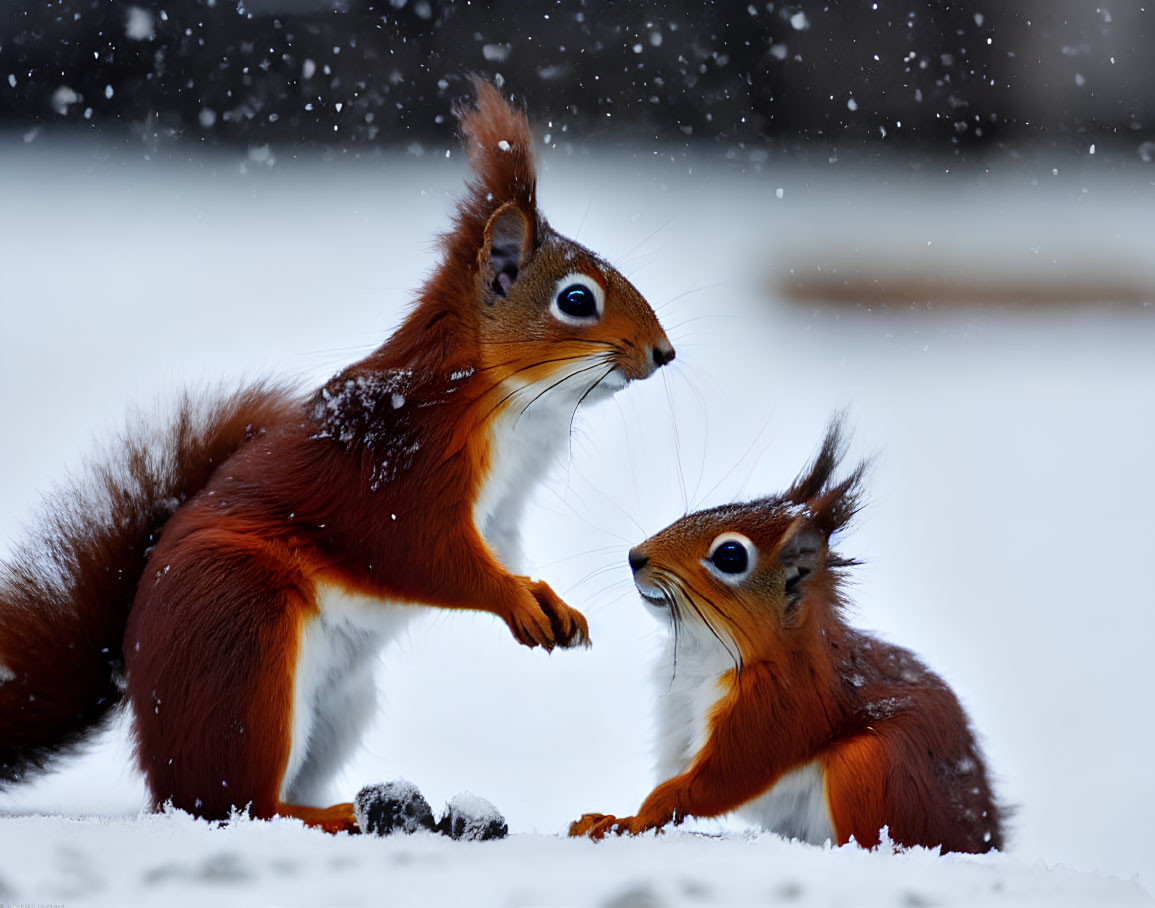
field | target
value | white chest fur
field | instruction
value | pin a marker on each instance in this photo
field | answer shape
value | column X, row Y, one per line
column 525, row 439
column 334, row 691
column 523, row 444
column 689, row 690
column 795, row 807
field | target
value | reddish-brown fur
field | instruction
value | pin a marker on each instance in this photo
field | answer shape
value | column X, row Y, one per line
column 892, row 742
column 369, row 488
column 66, row 592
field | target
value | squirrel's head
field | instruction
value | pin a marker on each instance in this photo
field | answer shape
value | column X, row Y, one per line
column 541, row 308
column 758, row 577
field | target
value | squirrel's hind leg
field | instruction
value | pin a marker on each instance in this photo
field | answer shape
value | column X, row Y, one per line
column 212, row 653
column 334, row 700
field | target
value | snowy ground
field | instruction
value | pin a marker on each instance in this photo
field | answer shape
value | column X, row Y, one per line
column 175, row 860
column 1005, row 540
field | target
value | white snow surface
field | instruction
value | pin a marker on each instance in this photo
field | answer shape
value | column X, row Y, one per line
column 172, row 859
column 1004, row 540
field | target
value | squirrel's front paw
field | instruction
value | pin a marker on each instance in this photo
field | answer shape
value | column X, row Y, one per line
column 540, row 618
column 588, row 822
column 598, row 825
column 568, row 625
column 530, row 625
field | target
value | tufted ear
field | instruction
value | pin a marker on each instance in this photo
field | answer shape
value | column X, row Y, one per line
column 498, row 219
column 505, row 249
column 800, row 557
column 499, row 146
column 831, row 504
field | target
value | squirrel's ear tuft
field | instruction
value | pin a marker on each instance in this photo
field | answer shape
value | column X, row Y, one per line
column 831, row 504
column 499, row 146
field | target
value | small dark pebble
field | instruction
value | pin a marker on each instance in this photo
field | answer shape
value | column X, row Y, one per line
column 472, row 819
column 389, row 807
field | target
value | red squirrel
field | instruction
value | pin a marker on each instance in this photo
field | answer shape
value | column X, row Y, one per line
column 774, row 707
column 235, row 577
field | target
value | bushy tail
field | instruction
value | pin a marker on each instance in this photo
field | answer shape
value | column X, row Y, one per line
column 66, row 592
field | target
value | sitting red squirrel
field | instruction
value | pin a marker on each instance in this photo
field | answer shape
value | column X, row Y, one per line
column 234, row 575
column 776, row 708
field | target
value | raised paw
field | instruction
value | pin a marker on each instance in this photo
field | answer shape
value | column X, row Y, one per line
column 568, row 625
column 529, row 624
column 540, row 618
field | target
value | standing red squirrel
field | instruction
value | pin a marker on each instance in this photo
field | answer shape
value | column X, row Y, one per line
column 235, row 576
column 776, row 708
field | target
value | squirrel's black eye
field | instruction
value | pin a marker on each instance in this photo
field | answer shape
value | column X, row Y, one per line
column 577, row 300
column 730, row 558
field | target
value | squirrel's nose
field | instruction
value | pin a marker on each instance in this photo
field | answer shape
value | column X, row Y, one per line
column 639, row 560
column 663, row 352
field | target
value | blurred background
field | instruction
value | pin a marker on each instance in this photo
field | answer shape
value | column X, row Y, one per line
column 354, row 73
column 936, row 216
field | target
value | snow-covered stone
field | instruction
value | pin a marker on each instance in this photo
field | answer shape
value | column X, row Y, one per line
column 473, row 819
column 389, row 807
